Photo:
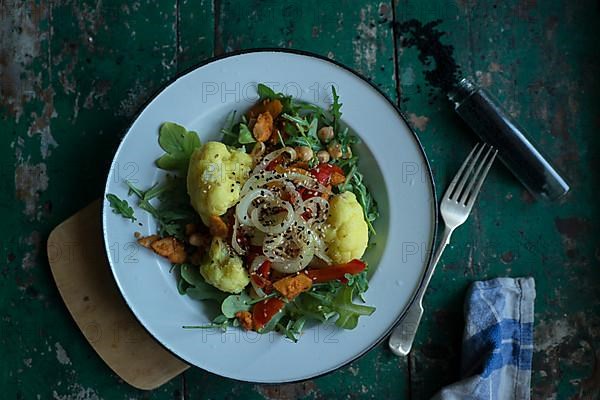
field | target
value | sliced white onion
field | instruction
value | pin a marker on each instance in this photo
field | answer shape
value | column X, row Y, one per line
column 320, row 247
column 319, row 209
column 242, row 209
column 257, row 152
column 234, row 242
column 307, row 181
column 270, row 245
column 262, row 178
column 295, row 197
column 257, row 262
column 273, row 155
column 273, row 229
column 257, row 238
column 296, row 264
column 288, row 240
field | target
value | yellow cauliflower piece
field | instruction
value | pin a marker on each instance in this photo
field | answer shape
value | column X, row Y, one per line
column 215, row 176
column 224, row 270
column 347, row 233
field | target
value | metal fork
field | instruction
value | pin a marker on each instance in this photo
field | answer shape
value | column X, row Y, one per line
column 455, row 208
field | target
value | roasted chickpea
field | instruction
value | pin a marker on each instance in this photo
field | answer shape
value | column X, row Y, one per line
column 325, row 134
column 304, row 153
column 323, row 156
column 335, row 150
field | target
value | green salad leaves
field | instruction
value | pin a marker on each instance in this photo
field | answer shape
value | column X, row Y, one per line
column 178, row 144
column 169, row 203
column 120, row 207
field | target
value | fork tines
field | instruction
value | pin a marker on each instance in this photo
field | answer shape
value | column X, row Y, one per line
column 471, row 174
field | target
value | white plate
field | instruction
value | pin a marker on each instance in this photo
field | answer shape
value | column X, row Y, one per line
column 395, row 169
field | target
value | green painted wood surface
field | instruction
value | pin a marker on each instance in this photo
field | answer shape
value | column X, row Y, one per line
column 72, row 73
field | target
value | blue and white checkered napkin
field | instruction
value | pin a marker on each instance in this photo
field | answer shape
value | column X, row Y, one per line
column 498, row 342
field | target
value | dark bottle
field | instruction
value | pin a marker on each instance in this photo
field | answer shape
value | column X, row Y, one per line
column 494, row 126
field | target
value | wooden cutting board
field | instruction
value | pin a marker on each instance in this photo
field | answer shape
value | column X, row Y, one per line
column 86, row 284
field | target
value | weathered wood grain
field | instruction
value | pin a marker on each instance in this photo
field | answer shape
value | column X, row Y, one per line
column 72, row 74
column 535, row 57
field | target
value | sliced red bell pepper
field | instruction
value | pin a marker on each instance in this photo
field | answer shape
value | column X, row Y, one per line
column 336, row 271
column 260, row 281
column 274, row 163
column 265, row 269
column 261, row 276
column 323, row 172
column 263, row 311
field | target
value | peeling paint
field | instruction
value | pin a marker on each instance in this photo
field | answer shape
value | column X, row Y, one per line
column 77, row 392
column 21, row 43
column 591, row 385
column 61, row 354
column 507, row 257
column 365, row 43
column 34, row 241
column 572, row 227
column 550, row 334
column 353, row 370
column 495, row 67
column 30, row 181
column 96, row 97
column 41, row 123
column 288, row 391
column 418, row 121
column 484, row 79
column 135, row 98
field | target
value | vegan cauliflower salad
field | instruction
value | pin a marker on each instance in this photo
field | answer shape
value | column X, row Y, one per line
column 271, row 223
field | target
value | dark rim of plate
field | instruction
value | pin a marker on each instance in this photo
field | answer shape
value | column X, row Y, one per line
column 363, row 78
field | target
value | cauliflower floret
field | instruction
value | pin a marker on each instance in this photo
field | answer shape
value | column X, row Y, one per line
column 347, row 233
column 214, row 179
column 223, row 270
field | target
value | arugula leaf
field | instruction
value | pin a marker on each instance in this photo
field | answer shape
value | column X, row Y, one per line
column 120, row 207
column 366, row 200
column 230, row 138
column 354, row 183
column 220, row 322
column 302, row 132
column 348, row 311
column 360, row 282
column 235, row 303
column 292, row 329
column 265, row 92
column 327, row 300
column 199, row 289
column 179, row 144
column 174, row 210
column 182, row 286
column 288, row 103
column 245, row 136
column 336, row 108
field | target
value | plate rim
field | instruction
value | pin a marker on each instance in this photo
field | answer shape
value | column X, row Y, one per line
column 360, row 76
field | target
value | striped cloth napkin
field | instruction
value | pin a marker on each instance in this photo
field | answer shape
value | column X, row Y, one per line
column 497, row 343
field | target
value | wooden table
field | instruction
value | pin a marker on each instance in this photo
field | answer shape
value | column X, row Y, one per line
column 73, row 73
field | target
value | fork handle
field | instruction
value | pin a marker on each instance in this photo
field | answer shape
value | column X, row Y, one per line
column 404, row 333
